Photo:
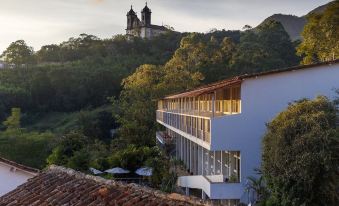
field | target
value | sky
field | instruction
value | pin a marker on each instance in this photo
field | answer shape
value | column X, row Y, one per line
column 42, row 22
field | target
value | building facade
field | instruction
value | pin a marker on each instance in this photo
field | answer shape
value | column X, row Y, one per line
column 144, row 28
column 217, row 129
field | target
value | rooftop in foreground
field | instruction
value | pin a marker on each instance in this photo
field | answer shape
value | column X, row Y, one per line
column 62, row 186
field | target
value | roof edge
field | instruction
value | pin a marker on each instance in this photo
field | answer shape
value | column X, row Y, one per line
column 101, row 180
column 242, row 77
column 20, row 166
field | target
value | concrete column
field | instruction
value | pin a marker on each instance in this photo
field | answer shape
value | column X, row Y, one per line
column 221, row 164
column 213, row 105
column 184, row 151
column 188, row 155
column 187, row 191
column 203, row 195
column 191, row 156
column 199, row 161
column 176, row 147
column 182, row 148
column 230, row 160
column 203, row 161
column 208, row 163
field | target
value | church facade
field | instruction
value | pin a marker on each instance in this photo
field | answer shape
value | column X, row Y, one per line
column 144, row 28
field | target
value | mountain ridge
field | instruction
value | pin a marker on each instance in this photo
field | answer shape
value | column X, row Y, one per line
column 294, row 25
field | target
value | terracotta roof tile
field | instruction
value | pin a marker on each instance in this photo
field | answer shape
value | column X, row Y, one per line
column 61, row 186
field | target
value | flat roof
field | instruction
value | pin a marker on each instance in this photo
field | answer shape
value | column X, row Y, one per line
column 238, row 79
column 19, row 166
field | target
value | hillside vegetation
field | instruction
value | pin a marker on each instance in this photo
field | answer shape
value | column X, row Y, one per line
column 64, row 100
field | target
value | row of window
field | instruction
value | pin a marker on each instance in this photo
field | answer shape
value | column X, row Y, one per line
column 225, row 101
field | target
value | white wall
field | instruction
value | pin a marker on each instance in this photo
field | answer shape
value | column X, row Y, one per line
column 262, row 99
column 9, row 180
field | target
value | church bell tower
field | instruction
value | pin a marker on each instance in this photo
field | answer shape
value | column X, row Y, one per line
column 131, row 19
column 146, row 16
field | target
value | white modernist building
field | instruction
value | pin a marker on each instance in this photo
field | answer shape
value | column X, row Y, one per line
column 13, row 175
column 217, row 129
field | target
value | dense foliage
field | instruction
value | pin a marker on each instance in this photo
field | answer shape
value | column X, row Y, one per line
column 19, row 54
column 67, row 91
column 223, row 54
column 89, row 71
column 321, row 36
column 201, row 58
column 19, row 145
column 137, row 104
column 300, row 155
column 80, row 152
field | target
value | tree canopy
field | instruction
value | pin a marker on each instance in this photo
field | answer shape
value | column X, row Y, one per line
column 321, row 36
column 19, row 54
column 300, row 155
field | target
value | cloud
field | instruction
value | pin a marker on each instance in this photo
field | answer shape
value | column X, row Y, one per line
column 97, row 1
column 54, row 21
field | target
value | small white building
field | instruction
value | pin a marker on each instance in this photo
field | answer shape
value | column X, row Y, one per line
column 217, row 129
column 13, row 174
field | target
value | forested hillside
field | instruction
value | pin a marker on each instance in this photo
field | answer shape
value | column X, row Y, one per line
column 81, row 72
column 64, row 100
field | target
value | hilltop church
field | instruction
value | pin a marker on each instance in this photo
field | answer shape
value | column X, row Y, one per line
column 143, row 28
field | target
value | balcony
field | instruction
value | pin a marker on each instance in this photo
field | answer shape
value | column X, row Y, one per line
column 195, row 128
column 213, row 186
column 192, row 116
column 216, row 103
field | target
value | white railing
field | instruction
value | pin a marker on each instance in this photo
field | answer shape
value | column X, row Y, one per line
column 214, row 190
column 175, row 120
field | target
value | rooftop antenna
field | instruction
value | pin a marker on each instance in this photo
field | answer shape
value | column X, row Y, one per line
column 146, row 3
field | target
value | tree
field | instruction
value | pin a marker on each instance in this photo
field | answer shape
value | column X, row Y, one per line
column 96, row 124
column 137, row 104
column 267, row 47
column 321, row 36
column 133, row 157
column 19, row 54
column 66, row 147
column 13, row 122
column 300, row 155
column 49, row 53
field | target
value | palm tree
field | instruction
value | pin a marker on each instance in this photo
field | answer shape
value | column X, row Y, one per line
column 258, row 187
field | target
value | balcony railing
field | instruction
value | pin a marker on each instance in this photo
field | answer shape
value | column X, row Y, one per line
column 196, row 126
column 163, row 137
column 214, row 190
column 218, row 102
